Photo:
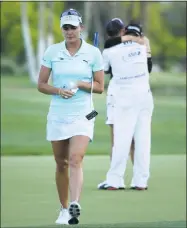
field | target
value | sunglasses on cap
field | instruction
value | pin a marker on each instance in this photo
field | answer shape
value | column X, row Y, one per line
column 69, row 27
column 70, row 12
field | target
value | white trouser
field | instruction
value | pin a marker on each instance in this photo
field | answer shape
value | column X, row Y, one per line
column 132, row 117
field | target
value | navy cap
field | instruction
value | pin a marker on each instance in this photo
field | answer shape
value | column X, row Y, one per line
column 114, row 26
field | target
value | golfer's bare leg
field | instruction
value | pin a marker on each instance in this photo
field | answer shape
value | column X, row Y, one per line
column 77, row 149
column 60, row 150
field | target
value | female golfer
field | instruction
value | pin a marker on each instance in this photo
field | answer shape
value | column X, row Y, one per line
column 77, row 70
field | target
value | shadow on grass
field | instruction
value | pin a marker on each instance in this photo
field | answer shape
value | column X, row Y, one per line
column 164, row 224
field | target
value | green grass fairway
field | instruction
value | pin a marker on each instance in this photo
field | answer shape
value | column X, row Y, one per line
column 29, row 198
column 24, row 111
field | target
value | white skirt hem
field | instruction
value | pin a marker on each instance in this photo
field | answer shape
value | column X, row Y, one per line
column 57, row 131
column 69, row 136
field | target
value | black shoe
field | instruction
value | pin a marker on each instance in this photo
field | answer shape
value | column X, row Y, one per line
column 138, row 188
column 73, row 221
column 74, row 211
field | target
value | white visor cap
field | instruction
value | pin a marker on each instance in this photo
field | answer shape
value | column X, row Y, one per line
column 70, row 20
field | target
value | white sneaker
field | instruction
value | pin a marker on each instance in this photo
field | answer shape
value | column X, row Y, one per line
column 63, row 217
column 74, row 211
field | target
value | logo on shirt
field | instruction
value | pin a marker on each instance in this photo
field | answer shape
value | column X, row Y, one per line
column 60, row 55
column 134, row 54
column 127, row 42
column 64, row 86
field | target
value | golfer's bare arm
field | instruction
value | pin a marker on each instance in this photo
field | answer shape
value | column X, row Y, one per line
column 98, row 83
column 43, row 79
column 117, row 40
column 45, row 88
column 149, row 57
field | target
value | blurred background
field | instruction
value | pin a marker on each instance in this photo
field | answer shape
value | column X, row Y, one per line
column 28, row 28
column 28, row 189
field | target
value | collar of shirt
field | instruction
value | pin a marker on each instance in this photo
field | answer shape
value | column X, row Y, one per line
column 82, row 49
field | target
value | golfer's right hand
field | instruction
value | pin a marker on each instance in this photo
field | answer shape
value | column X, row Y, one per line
column 65, row 93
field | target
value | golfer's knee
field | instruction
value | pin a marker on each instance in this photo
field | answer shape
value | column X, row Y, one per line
column 61, row 165
column 75, row 161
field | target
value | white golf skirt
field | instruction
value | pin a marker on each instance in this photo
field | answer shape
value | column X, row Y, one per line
column 58, row 130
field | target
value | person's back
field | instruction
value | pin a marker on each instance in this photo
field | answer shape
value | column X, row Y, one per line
column 129, row 66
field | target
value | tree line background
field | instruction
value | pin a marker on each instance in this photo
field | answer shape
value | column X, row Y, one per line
column 27, row 28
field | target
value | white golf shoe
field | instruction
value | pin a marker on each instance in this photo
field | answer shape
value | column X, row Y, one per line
column 63, row 217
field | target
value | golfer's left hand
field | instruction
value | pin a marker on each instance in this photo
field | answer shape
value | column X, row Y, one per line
column 65, row 93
